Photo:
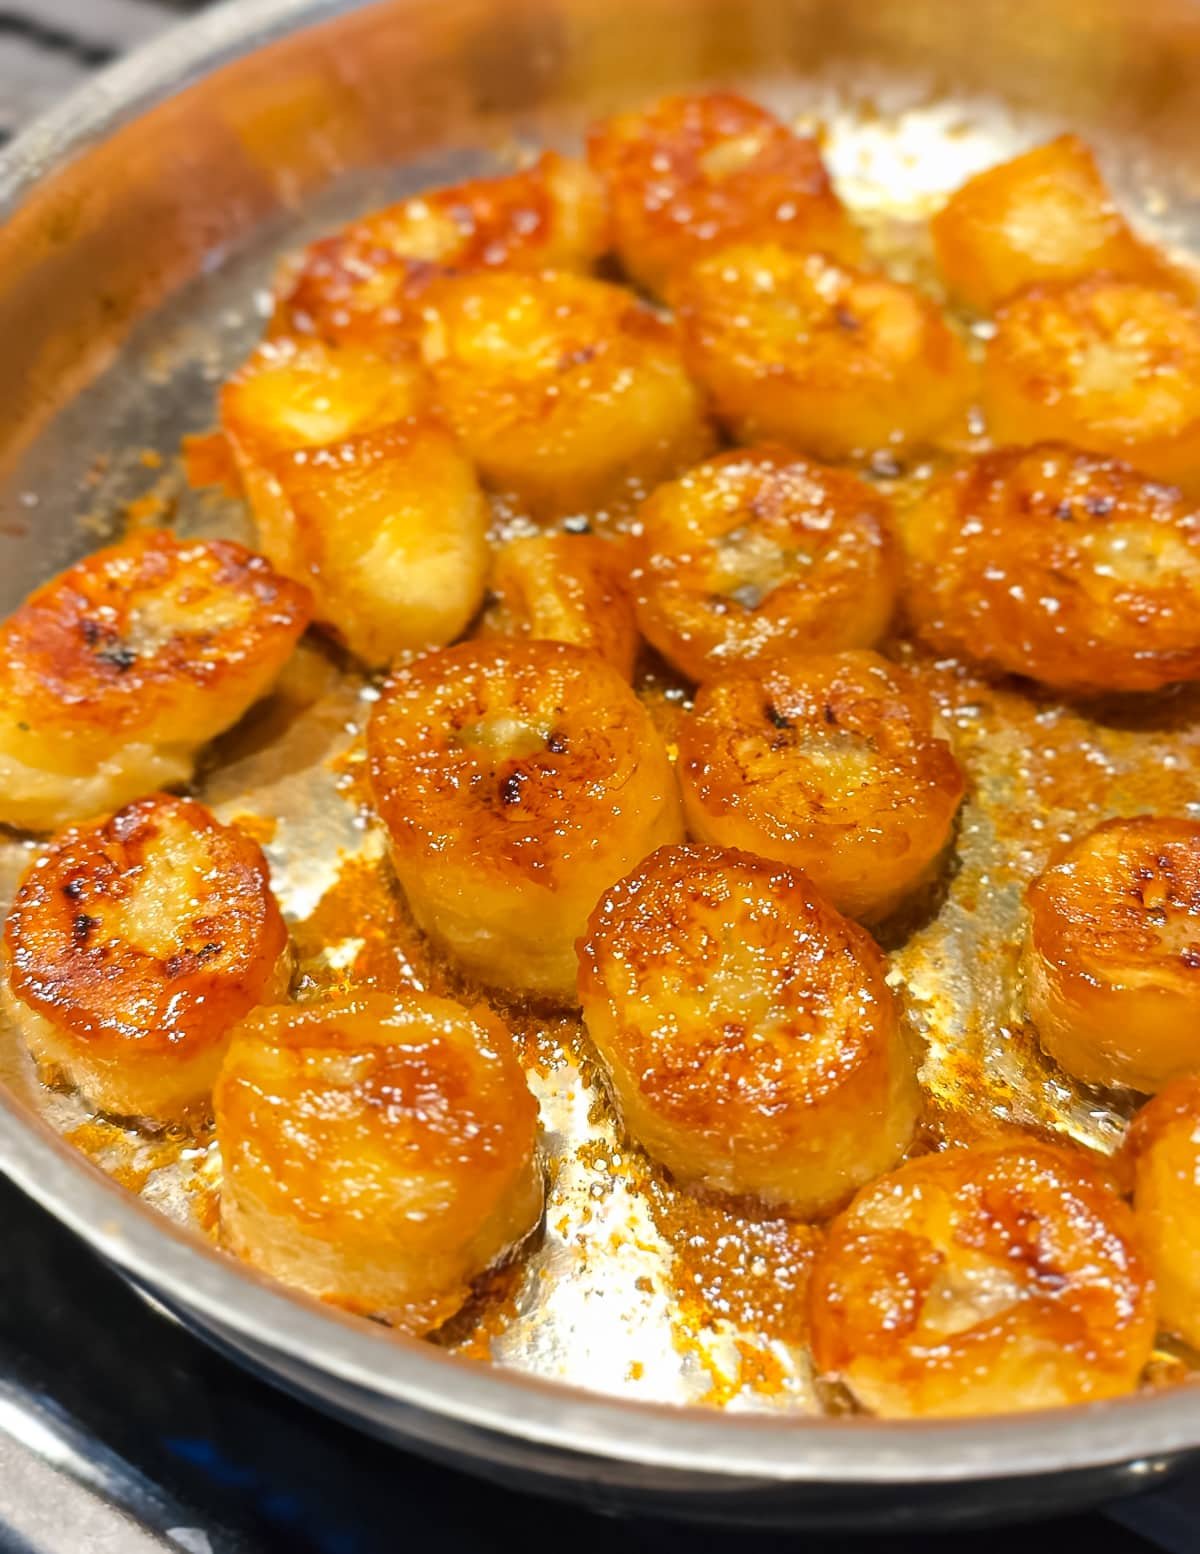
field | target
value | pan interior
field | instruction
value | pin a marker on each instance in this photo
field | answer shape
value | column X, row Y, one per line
column 632, row 1289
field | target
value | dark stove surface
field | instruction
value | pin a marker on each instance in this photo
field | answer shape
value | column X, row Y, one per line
column 120, row 1432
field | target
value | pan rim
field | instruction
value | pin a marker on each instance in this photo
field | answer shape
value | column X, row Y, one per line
column 190, row 1275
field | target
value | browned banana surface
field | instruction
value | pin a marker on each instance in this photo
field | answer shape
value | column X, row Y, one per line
column 835, row 361
column 379, row 1152
column 1046, row 215
column 983, row 1280
column 1068, row 567
column 114, row 673
column 761, row 551
column 133, row 947
column 517, row 781
column 1112, row 960
column 697, row 172
column 747, row 1029
column 829, row 763
column 1108, row 365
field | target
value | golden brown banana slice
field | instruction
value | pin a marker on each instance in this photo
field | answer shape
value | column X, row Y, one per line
column 390, row 527
column 134, row 946
column 1108, row 365
column 116, row 672
column 1064, row 566
column 565, row 391
column 1112, row 957
column 360, row 490
column 1162, row 1152
column 837, row 362
column 379, row 1152
column 985, row 1280
column 760, row 551
column 517, row 780
column 829, row 763
column 365, row 282
column 1046, row 215
column 698, row 172
column 301, row 393
column 747, row 1028
column 567, row 588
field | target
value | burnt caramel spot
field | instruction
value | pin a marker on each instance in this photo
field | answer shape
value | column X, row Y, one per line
column 511, row 787
column 82, row 927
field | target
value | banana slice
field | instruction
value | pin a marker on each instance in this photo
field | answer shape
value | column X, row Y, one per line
column 1162, row 1152
column 134, row 946
column 565, row 391
column 390, row 529
column 758, row 551
column 1064, row 566
column 1112, row 956
column 1108, row 365
column 698, row 172
column 361, row 491
column 747, row 1028
column 298, row 393
column 517, row 780
column 378, row 1153
column 837, row 362
column 365, row 282
column 1046, row 215
column 567, row 588
column 980, row 1281
column 830, row 764
column 116, row 672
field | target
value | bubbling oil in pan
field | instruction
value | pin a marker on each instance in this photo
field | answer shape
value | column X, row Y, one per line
column 631, row 1286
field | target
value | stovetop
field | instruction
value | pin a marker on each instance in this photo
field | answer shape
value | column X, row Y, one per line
column 121, row 1433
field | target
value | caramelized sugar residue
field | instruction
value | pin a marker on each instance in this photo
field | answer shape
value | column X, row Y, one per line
column 735, row 1262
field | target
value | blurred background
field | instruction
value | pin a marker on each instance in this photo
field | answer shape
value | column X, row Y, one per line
column 48, row 46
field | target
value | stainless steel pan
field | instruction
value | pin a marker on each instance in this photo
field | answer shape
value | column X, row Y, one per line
column 138, row 219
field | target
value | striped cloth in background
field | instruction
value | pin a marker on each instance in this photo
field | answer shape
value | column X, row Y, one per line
column 47, row 47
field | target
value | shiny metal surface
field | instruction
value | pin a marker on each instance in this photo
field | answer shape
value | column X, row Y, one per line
column 141, row 217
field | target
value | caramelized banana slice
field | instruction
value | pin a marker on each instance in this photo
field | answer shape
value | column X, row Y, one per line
column 1162, row 1149
column 830, row 764
column 295, row 393
column 517, row 780
column 134, row 946
column 348, row 289
column 834, row 361
column 759, row 550
column 391, row 529
column 1064, row 566
column 696, row 173
column 116, row 672
column 1112, row 958
column 567, row 588
column 366, row 281
column 1046, row 215
column 980, row 1281
column 1107, row 365
column 377, row 1154
column 564, row 390
column 359, row 490
column 748, row 1031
